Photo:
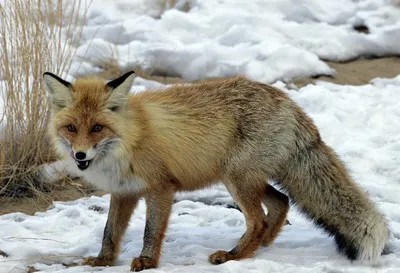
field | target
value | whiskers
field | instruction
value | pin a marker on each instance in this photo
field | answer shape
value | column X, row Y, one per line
column 108, row 147
column 105, row 146
column 65, row 144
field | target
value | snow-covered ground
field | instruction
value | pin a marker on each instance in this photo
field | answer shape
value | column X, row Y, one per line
column 267, row 40
column 270, row 41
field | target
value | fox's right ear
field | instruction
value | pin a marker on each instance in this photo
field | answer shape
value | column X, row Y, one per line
column 58, row 89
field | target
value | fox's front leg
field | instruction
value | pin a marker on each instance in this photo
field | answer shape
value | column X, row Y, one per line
column 121, row 208
column 158, row 208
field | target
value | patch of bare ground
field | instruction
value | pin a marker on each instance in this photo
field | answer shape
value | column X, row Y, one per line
column 357, row 72
column 63, row 191
column 111, row 70
column 159, row 78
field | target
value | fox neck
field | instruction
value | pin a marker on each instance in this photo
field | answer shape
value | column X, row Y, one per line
column 112, row 174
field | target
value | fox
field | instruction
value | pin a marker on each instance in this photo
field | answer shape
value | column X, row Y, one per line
column 236, row 131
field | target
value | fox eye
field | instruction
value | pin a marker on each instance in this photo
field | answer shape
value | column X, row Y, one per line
column 71, row 128
column 97, row 128
column 114, row 108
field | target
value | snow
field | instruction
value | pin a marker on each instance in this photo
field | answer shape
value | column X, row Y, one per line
column 270, row 41
column 267, row 40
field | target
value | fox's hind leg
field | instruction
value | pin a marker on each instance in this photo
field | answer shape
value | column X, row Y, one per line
column 121, row 208
column 277, row 204
column 249, row 200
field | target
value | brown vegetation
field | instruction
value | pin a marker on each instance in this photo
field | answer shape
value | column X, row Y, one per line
column 34, row 38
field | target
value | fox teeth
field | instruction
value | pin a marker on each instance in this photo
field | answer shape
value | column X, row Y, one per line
column 86, row 163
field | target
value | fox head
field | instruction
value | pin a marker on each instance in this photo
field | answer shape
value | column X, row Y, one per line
column 88, row 116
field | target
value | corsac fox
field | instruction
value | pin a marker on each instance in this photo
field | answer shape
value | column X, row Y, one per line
column 236, row 131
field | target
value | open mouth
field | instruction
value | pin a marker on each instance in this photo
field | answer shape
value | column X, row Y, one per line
column 83, row 164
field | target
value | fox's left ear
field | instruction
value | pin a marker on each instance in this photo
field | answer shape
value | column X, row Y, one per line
column 58, row 89
column 119, row 91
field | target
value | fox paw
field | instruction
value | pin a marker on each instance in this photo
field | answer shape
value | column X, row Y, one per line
column 220, row 257
column 96, row 261
column 140, row 263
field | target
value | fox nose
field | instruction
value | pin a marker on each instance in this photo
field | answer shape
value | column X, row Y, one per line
column 80, row 155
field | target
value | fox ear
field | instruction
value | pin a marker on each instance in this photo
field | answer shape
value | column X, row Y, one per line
column 58, row 89
column 119, row 91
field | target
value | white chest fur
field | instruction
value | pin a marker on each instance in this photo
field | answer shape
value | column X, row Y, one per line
column 107, row 176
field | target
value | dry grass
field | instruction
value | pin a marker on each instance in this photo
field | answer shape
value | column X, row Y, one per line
column 32, row 41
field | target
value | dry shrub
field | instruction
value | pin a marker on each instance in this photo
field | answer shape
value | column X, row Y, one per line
column 34, row 37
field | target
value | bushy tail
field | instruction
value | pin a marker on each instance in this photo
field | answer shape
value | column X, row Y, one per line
column 319, row 184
